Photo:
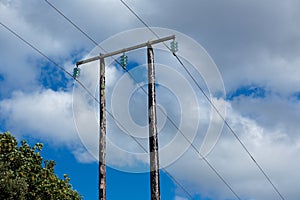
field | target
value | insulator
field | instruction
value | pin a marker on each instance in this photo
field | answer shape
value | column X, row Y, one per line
column 76, row 72
column 124, row 60
column 174, row 46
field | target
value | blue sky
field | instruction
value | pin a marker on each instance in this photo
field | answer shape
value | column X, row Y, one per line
column 252, row 57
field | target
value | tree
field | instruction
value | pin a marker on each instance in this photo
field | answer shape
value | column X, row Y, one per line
column 25, row 176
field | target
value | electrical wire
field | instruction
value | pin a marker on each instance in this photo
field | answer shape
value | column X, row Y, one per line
column 94, row 98
column 172, row 122
column 77, row 27
column 80, row 30
column 210, row 102
column 145, row 150
column 94, row 42
column 48, row 58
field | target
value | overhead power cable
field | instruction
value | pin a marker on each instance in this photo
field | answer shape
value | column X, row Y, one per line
column 94, row 98
column 210, row 102
column 172, row 122
column 47, row 57
column 94, row 42
column 80, row 30
column 70, row 21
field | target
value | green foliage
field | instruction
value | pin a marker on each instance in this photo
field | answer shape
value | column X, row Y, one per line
column 24, row 175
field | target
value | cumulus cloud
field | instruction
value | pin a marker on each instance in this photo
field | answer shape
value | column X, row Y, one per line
column 49, row 32
column 45, row 114
column 273, row 112
column 179, row 198
column 253, row 43
column 274, row 151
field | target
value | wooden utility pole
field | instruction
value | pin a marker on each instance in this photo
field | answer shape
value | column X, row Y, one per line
column 102, row 133
column 153, row 138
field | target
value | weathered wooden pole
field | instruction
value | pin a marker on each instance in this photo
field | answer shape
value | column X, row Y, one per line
column 153, row 141
column 102, row 133
column 153, row 138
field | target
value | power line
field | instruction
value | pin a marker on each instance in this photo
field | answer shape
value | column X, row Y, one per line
column 145, row 150
column 77, row 27
column 210, row 101
column 47, row 57
column 80, row 30
column 172, row 122
column 94, row 98
column 94, row 42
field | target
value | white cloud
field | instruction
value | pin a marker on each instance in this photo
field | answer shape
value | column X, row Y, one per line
column 273, row 112
column 274, row 151
column 45, row 114
column 82, row 155
column 180, row 198
column 49, row 32
column 253, row 43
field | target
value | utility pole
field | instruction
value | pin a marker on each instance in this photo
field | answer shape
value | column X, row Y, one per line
column 153, row 140
column 102, row 134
